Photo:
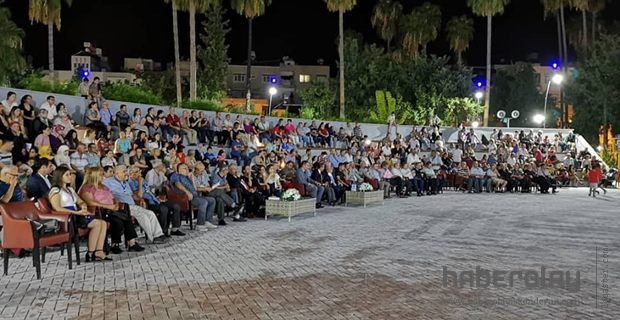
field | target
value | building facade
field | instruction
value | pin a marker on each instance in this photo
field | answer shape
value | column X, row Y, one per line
column 287, row 78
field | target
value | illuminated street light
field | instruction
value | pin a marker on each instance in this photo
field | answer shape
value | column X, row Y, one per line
column 479, row 95
column 557, row 79
column 272, row 92
column 539, row 118
column 475, row 124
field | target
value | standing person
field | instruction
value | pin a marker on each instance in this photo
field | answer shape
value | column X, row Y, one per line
column 29, row 116
column 94, row 90
column 63, row 198
column 122, row 193
column 594, row 177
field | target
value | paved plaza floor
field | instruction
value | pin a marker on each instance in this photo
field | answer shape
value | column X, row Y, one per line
column 383, row 262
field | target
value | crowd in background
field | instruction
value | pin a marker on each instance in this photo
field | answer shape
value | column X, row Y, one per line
column 127, row 163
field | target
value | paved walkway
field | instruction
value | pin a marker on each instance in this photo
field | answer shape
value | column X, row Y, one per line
column 383, row 262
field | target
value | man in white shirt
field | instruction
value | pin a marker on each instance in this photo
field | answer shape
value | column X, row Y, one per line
column 457, row 155
column 156, row 177
column 476, row 174
column 50, row 107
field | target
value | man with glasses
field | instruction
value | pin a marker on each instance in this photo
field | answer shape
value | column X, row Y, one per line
column 122, row 193
column 166, row 209
column 9, row 189
column 183, row 182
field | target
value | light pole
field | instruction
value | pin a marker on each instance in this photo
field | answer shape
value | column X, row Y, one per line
column 557, row 79
column 272, row 91
column 479, row 95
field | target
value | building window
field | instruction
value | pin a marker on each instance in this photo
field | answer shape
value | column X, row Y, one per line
column 238, row 77
column 265, row 78
column 304, row 78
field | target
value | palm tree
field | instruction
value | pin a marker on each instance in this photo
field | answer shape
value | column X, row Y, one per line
column 193, row 7
column 385, row 17
column 583, row 6
column 488, row 8
column 47, row 12
column 460, row 32
column 596, row 6
column 177, row 55
column 10, row 45
column 420, row 27
column 341, row 6
column 250, row 9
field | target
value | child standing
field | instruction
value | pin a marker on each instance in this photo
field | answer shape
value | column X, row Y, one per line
column 594, row 176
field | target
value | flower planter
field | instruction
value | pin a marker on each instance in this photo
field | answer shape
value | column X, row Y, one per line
column 364, row 198
column 289, row 208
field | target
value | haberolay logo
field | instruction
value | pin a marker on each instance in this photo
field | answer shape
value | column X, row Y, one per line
column 530, row 279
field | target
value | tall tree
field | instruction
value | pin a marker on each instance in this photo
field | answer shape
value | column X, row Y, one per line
column 385, row 16
column 249, row 9
column 488, row 9
column 47, row 12
column 595, row 92
column 583, row 6
column 596, row 6
column 11, row 59
column 460, row 32
column 420, row 27
column 341, row 6
column 556, row 7
column 193, row 7
column 213, row 53
column 177, row 55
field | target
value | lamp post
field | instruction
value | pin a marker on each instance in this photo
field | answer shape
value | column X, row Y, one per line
column 557, row 79
column 272, row 91
column 478, row 95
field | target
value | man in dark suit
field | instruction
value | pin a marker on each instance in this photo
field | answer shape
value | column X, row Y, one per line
column 38, row 185
column 313, row 188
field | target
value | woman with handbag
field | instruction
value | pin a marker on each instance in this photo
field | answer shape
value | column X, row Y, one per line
column 95, row 194
column 63, row 198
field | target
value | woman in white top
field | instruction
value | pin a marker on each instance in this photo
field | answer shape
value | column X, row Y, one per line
column 63, row 198
column 10, row 102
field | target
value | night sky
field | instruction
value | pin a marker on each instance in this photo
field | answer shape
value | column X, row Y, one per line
column 301, row 29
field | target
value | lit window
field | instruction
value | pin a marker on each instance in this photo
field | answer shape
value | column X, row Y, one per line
column 304, row 78
column 239, row 77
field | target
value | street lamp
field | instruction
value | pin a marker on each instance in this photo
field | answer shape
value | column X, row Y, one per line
column 539, row 118
column 479, row 96
column 475, row 124
column 272, row 91
column 557, row 79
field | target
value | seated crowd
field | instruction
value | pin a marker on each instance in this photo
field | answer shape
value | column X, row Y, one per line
column 125, row 168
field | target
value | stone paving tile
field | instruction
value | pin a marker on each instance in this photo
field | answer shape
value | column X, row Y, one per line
column 382, row 262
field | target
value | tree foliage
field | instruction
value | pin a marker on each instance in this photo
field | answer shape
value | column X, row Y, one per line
column 11, row 59
column 460, row 32
column 595, row 92
column 517, row 88
column 422, row 86
column 319, row 100
column 385, row 18
column 213, row 53
column 419, row 28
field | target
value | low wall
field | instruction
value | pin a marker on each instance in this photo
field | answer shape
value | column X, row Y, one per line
column 76, row 106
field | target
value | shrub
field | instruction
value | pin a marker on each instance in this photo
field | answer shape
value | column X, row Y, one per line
column 203, row 104
column 35, row 82
column 125, row 91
